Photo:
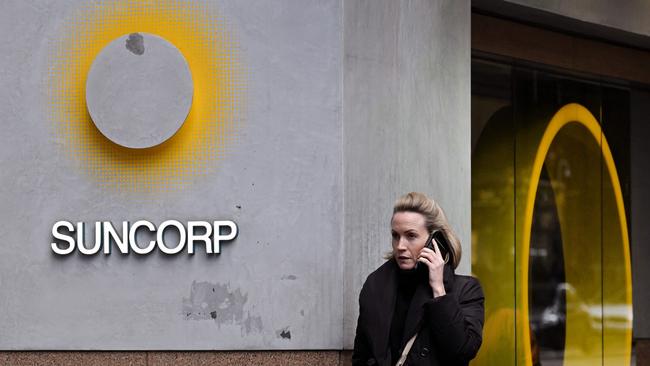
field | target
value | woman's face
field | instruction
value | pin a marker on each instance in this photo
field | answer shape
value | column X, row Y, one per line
column 409, row 234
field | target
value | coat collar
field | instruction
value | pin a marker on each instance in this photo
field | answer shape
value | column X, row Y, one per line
column 386, row 306
column 423, row 293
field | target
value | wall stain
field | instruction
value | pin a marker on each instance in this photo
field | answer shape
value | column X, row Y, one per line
column 135, row 44
column 221, row 304
column 252, row 323
column 289, row 277
column 283, row 333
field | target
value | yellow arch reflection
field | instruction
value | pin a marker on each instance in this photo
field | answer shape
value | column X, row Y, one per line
column 583, row 176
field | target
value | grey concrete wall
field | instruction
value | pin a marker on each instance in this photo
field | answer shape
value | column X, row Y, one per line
column 281, row 182
column 349, row 105
column 639, row 210
column 406, row 104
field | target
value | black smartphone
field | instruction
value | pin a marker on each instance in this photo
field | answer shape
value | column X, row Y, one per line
column 443, row 245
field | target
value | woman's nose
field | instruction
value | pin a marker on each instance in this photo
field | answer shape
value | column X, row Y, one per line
column 401, row 244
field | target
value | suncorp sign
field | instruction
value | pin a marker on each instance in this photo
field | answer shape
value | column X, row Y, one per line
column 69, row 237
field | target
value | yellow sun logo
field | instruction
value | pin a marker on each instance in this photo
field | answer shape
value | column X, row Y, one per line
column 217, row 110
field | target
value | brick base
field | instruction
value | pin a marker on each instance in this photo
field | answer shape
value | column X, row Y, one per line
column 262, row 358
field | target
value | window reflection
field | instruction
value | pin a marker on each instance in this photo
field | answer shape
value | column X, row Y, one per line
column 547, row 296
column 558, row 289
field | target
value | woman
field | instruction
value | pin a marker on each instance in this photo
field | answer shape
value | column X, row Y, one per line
column 416, row 293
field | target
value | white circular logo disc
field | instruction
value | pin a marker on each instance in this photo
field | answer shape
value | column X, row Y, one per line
column 139, row 90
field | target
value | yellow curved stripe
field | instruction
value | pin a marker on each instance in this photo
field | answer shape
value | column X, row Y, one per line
column 591, row 334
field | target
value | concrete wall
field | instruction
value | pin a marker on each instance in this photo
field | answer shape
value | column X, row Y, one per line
column 406, row 124
column 277, row 286
column 349, row 104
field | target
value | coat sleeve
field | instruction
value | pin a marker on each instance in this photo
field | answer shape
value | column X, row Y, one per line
column 457, row 323
column 361, row 355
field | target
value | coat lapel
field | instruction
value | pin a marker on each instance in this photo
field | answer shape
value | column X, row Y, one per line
column 414, row 315
column 423, row 293
column 386, row 307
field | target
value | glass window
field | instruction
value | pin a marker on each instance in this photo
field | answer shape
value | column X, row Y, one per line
column 550, row 213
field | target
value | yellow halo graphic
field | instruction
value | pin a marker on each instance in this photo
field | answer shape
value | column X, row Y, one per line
column 594, row 235
column 218, row 106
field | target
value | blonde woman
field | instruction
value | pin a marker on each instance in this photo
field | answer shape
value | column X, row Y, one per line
column 414, row 309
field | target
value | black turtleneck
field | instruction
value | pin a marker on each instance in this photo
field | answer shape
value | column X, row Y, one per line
column 407, row 281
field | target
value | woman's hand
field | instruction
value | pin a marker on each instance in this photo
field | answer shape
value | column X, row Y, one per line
column 433, row 259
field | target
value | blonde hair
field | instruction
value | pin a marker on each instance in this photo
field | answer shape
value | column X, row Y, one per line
column 434, row 218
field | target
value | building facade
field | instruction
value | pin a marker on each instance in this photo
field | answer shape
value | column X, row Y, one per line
column 524, row 119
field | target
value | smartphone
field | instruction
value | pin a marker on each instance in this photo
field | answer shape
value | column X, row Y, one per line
column 443, row 245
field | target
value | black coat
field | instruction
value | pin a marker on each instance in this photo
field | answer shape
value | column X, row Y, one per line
column 449, row 326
